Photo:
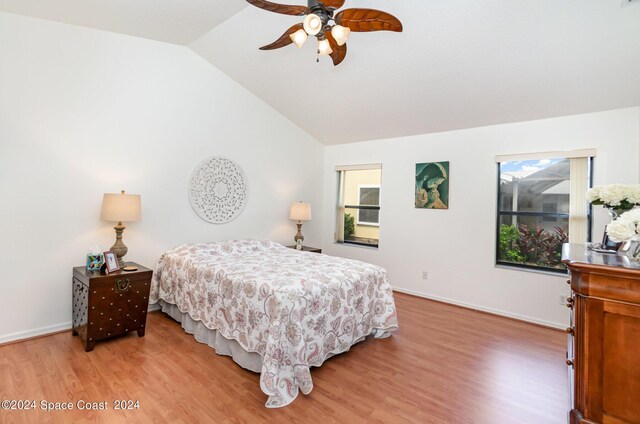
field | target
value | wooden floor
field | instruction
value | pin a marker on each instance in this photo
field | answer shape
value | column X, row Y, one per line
column 444, row 365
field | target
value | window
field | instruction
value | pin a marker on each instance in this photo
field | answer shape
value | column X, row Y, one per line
column 549, row 207
column 369, row 195
column 358, row 210
column 541, row 205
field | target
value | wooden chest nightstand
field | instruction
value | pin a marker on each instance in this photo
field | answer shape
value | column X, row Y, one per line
column 308, row 249
column 106, row 306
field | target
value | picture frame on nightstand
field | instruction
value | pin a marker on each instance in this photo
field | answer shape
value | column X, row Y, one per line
column 94, row 261
column 111, row 262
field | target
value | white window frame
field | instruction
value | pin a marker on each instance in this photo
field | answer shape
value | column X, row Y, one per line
column 580, row 216
column 368, row 224
column 340, row 208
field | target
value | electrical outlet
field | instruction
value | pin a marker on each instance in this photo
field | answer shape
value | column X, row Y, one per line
column 425, row 275
column 562, row 299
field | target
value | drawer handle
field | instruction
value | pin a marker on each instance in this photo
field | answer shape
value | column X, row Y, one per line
column 570, row 330
column 569, row 362
column 123, row 285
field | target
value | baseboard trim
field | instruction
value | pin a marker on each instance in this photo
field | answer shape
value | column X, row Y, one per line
column 66, row 326
column 50, row 330
column 492, row 311
column 21, row 336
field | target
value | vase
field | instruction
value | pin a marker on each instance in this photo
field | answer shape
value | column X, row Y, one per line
column 634, row 250
column 630, row 248
column 616, row 212
column 608, row 244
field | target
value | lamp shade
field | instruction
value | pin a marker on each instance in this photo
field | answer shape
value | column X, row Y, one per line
column 340, row 34
column 299, row 37
column 120, row 207
column 300, row 211
column 324, row 48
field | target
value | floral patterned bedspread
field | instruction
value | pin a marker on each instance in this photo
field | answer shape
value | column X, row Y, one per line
column 293, row 308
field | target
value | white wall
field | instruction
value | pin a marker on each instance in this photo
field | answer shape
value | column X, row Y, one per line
column 457, row 246
column 84, row 112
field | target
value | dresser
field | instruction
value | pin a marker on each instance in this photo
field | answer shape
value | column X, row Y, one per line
column 604, row 337
column 109, row 305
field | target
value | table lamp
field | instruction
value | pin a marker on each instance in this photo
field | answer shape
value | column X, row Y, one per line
column 120, row 208
column 300, row 211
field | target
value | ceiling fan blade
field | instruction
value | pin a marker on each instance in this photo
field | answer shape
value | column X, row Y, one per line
column 365, row 20
column 339, row 52
column 284, row 39
column 284, row 9
column 336, row 4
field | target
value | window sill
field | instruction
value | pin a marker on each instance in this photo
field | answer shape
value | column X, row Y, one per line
column 368, row 224
column 362, row 246
column 535, row 271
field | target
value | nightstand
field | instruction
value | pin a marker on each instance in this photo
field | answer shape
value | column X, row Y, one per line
column 109, row 305
column 307, row 249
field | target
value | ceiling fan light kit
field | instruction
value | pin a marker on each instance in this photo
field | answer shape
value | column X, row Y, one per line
column 312, row 24
column 332, row 37
column 340, row 34
column 299, row 37
column 324, row 48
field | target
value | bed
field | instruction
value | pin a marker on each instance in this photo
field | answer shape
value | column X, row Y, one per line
column 274, row 310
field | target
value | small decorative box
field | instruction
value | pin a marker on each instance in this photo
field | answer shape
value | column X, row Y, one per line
column 94, row 261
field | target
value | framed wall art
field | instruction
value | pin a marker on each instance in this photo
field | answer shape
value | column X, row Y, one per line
column 432, row 185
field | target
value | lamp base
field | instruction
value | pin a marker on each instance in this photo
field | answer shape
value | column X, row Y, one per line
column 299, row 235
column 119, row 247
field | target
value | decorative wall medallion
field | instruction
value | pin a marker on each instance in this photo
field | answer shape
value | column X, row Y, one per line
column 218, row 190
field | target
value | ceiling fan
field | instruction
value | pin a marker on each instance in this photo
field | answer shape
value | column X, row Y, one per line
column 318, row 15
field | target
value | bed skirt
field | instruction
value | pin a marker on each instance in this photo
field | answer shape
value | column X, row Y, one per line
column 249, row 360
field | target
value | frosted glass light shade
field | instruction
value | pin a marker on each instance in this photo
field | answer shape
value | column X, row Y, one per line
column 340, row 34
column 300, row 211
column 324, row 48
column 120, row 207
column 312, row 24
column 299, row 37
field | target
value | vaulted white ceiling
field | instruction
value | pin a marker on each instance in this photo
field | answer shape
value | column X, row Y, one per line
column 173, row 21
column 458, row 63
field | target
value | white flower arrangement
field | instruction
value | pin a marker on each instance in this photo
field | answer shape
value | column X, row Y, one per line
column 626, row 227
column 617, row 196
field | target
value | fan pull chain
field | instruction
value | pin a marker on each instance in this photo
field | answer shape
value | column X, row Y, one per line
column 318, row 56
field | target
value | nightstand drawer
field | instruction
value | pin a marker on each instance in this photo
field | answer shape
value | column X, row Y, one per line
column 118, row 307
column 122, row 293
